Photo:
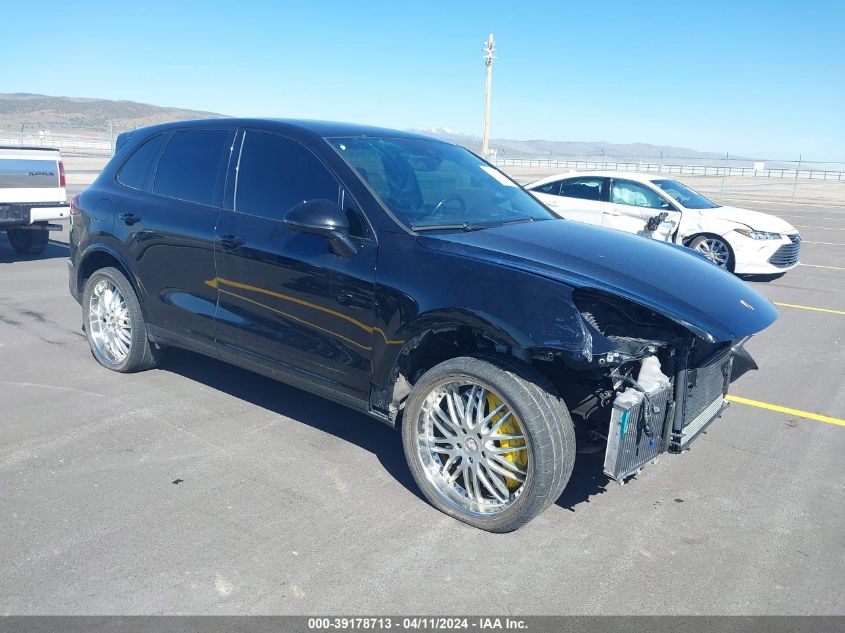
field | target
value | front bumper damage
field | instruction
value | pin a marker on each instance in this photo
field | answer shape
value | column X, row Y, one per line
column 660, row 387
column 667, row 415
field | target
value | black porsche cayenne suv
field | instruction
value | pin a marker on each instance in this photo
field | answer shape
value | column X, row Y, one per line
column 407, row 278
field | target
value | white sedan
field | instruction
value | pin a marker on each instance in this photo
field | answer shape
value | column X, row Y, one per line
column 743, row 241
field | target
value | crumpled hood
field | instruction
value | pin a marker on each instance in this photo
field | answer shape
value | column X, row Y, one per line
column 666, row 278
column 755, row 219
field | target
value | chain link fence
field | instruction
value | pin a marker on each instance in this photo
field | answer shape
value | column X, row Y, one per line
column 808, row 170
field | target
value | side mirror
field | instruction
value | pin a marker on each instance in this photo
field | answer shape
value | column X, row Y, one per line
column 326, row 218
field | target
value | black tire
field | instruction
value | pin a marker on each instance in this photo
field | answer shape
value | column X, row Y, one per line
column 697, row 240
column 557, row 409
column 28, row 242
column 142, row 354
column 545, row 422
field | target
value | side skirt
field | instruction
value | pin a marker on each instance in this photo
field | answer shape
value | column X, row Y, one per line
column 290, row 376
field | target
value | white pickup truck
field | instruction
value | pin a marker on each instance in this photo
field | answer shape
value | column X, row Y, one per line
column 32, row 196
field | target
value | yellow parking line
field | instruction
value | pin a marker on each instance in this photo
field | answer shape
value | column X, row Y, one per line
column 788, row 411
column 821, row 266
column 793, row 305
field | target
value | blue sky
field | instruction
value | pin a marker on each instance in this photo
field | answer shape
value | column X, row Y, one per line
column 752, row 78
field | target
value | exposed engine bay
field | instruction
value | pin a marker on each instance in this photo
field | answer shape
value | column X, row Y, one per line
column 651, row 386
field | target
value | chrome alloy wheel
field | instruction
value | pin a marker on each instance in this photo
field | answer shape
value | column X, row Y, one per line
column 472, row 448
column 714, row 250
column 109, row 323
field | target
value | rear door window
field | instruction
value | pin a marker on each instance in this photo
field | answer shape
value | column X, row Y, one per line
column 137, row 169
column 588, row 188
column 190, row 165
column 552, row 188
column 276, row 173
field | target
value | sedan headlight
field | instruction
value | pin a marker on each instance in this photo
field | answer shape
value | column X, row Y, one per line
column 758, row 235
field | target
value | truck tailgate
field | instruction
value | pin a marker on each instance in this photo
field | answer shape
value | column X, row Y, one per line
column 30, row 175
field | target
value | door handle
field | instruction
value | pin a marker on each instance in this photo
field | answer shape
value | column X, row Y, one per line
column 130, row 218
column 231, row 242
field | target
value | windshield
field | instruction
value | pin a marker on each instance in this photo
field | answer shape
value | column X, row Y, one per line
column 432, row 185
column 686, row 196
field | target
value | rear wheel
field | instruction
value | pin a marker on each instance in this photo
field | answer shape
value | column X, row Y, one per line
column 486, row 442
column 716, row 249
column 115, row 324
column 28, row 242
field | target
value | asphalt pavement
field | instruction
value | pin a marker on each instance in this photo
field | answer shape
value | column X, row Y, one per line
column 205, row 489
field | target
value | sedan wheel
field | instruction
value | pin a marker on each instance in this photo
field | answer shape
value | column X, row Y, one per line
column 714, row 249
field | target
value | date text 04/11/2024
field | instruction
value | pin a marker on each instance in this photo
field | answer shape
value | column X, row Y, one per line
column 430, row 623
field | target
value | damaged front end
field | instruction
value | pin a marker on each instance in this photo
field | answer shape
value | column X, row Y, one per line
column 648, row 386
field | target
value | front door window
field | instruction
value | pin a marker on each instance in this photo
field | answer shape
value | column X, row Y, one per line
column 636, row 195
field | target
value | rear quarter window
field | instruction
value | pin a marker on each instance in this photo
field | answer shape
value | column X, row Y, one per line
column 582, row 188
column 552, row 188
column 138, row 167
column 190, row 165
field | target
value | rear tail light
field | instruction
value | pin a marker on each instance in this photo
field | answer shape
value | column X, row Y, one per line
column 61, row 174
column 74, row 205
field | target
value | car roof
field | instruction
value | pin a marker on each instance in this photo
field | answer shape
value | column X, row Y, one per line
column 628, row 175
column 299, row 127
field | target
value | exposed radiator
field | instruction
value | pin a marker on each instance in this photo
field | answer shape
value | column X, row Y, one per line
column 635, row 438
column 704, row 392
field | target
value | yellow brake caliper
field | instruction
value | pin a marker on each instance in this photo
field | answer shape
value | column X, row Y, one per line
column 510, row 427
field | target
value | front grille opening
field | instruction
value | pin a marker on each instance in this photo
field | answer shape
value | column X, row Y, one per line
column 786, row 255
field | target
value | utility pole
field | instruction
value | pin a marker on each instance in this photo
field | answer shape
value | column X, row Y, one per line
column 488, row 61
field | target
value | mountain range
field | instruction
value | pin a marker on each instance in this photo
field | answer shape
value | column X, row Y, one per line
column 22, row 113
column 542, row 148
column 27, row 114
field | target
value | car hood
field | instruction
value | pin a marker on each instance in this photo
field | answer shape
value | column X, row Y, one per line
column 754, row 219
column 666, row 278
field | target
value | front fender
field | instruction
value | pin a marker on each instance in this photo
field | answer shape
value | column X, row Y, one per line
column 713, row 226
column 523, row 312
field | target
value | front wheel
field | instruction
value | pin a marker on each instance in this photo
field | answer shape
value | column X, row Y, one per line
column 115, row 324
column 27, row 241
column 486, row 441
column 715, row 249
